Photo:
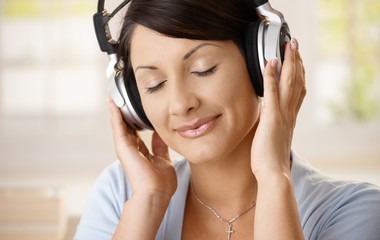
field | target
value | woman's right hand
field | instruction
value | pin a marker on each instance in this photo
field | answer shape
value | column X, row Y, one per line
column 152, row 177
column 149, row 175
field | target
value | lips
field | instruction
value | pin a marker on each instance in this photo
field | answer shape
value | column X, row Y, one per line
column 197, row 129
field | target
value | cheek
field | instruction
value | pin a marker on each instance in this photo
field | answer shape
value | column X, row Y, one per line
column 157, row 113
column 238, row 88
column 242, row 99
column 153, row 108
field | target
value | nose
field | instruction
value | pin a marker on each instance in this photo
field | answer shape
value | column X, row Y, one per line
column 183, row 99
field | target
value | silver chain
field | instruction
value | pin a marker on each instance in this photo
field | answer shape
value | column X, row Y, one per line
column 229, row 222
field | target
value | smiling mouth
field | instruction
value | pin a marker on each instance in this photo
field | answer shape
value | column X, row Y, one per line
column 198, row 129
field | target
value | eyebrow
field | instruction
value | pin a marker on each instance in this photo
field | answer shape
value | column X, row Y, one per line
column 146, row 67
column 186, row 56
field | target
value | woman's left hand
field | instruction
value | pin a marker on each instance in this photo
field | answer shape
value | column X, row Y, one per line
column 270, row 152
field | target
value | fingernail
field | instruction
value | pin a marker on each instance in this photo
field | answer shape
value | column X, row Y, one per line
column 273, row 62
column 294, row 44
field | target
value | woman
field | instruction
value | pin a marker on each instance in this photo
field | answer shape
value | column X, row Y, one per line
column 239, row 179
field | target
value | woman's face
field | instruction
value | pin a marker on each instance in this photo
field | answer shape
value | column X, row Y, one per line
column 197, row 94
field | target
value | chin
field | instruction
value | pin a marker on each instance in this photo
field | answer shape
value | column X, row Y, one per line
column 206, row 149
column 219, row 143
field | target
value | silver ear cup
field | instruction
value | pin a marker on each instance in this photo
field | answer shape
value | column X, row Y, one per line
column 127, row 99
column 120, row 96
column 260, row 46
column 272, row 35
column 118, row 93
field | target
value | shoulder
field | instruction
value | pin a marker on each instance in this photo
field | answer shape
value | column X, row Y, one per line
column 114, row 180
column 113, row 183
column 335, row 209
column 108, row 196
column 104, row 204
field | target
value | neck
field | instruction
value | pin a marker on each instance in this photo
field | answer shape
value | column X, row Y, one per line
column 227, row 184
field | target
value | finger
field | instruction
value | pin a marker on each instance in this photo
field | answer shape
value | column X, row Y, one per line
column 287, row 79
column 299, row 89
column 143, row 149
column 303, row 91
column 122, row 134
column 126, row 143
column 270, row 85
column 302, row 97
column 159, row 148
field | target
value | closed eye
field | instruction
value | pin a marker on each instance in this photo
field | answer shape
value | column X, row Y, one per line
column 155, row 88
column 206, row 73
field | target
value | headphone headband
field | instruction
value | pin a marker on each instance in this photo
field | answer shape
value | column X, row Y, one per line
column 103, row 33
column 259, row 2
column 100, row 6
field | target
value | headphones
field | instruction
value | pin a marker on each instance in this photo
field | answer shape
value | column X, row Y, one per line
column 264, row 40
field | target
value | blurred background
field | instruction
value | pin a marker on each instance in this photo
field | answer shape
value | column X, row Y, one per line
column 55, row 137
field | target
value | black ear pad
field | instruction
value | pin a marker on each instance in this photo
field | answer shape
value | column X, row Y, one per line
column 252, row 57
column 134, row 98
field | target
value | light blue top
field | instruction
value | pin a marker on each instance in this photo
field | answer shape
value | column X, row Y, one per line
column 329, row 209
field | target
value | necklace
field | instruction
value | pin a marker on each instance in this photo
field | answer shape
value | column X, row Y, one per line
column 229, row 230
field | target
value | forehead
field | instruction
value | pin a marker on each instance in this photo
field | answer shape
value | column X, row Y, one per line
column 147, row 43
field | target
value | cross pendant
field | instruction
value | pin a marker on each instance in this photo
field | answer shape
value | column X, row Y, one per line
column 229, row 231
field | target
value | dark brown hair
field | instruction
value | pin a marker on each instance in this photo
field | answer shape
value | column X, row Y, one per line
column 192, row 19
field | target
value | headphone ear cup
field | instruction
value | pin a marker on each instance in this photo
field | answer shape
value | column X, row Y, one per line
column 135, row 101
column 253, row 57
column 126, row 97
